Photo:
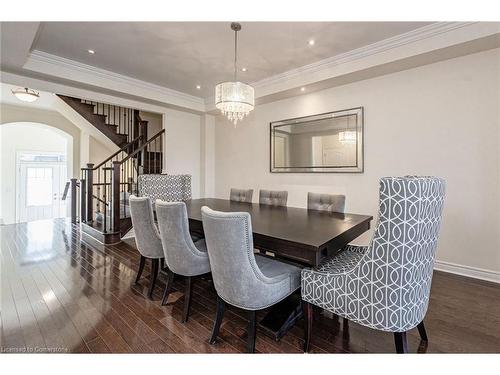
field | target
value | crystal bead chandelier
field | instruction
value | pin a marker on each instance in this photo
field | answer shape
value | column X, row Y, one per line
column 234, row 99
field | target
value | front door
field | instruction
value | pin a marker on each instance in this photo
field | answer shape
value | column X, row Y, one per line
column 40, row 191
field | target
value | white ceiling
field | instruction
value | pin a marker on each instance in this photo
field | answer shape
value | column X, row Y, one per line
column 181, row 55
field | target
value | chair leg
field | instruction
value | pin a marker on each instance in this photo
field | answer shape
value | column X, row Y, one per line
column 221, row 305
column 401, row 342
column 141, row 268
column 154, row 275
column 308, row 314
column 168, row 286
column 422, row 331
column 251, row 331
column 162, row 264
column 187, row 299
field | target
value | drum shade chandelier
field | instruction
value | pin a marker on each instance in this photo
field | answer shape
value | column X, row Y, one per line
column 234, row 99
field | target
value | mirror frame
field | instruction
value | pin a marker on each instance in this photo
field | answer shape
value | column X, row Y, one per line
column 358, row 168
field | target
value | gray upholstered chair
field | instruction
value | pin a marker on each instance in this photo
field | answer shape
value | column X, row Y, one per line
column 273, row 197
column 242, row 279
column 241, row 195
column 326, row 202
column 385, row 285
column 183, row 257
column 146, row 237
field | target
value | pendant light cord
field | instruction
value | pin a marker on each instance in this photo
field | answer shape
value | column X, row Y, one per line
column 235, row 53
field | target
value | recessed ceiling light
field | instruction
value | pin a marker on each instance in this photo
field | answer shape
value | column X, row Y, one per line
column 91, row 51
column 311, row 42
column 198, row 87
column 302, row 89
column 243, row 69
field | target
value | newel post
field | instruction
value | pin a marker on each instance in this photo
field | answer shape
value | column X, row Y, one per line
column 90, row 192
column 115, row 197
column 73, row 199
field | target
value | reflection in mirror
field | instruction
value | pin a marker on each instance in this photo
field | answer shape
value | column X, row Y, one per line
column 330, row 142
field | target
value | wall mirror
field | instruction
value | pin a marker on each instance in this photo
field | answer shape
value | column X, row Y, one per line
column 329, row 142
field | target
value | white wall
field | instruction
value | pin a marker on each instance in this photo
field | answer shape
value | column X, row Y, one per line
column 441, row 119
column 13, row 113
column 26, row 137
column 183, row 145
column 98, row 152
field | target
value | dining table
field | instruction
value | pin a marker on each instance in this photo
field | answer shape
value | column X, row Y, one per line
column 301, row 236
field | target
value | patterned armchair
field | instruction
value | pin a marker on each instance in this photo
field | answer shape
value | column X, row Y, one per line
column 385, row 285
column 169, row 188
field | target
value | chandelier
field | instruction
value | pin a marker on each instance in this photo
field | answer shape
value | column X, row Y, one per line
column 233, row 98
column 347, row 136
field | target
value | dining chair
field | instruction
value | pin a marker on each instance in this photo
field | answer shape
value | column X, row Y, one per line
column 146, row 237
column 385, row 285
column 273, row 197
column 182, row 255
column 242, row 279
column 241, row 195
column 326, row 202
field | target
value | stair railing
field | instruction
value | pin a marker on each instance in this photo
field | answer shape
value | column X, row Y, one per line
column 105, row 188
column 151, row 162
column 126, row 119
column 95, row 184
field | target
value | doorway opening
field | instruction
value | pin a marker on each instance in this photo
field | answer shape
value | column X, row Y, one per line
column 41, row 179
column 36, row 161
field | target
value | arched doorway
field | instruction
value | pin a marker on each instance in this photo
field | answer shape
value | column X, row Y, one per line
column 36, row 160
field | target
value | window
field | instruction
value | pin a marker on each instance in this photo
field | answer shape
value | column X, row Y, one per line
column 39, row 186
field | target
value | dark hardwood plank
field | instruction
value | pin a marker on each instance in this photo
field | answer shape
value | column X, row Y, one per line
column 58, row 291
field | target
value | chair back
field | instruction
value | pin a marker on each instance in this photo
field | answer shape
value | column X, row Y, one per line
column 326, row 202
column 171, row 188
column 237, row 278
column 241, row 195
column 181, row 255
column 146, row 235
column 273, row 197
column 397, row 268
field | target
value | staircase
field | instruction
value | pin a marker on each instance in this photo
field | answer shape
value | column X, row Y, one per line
column 105, row 188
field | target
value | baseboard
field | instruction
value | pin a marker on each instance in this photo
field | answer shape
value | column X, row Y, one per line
column 474, row 272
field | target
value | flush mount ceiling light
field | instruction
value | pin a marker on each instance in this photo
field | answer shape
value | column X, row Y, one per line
column 311, row 42
column 233, row 98
column 26, row 94
column 91, row 51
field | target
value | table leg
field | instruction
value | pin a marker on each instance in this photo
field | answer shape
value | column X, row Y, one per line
column 282, row 316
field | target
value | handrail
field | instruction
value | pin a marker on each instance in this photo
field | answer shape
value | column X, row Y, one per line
column 116, row 153
column 143, row 146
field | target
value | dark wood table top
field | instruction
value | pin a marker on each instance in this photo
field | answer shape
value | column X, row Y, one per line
column 309, row 228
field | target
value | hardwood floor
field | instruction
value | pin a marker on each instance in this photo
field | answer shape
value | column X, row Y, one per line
column 59, row 294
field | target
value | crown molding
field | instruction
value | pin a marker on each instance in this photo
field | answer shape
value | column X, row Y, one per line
column 328, row 68
column 413, row 36
column 47, row 63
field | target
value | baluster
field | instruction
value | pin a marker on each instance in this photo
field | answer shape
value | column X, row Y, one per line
column 115, row 197
column 104, row 198
column 83, row 197
column 73, row 200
